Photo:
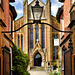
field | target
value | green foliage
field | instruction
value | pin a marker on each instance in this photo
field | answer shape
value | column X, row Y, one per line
column 20, row 62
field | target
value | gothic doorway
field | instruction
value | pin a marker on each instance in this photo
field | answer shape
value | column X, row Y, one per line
column 37, row 59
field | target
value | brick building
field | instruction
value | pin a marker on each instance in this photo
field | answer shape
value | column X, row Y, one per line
column 38, row 40
column 7, row 15
column 66, row 18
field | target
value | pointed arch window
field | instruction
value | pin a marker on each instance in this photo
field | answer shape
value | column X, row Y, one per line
column 43, row 36
column 56, row 48
column 18, row 41
column 53, row 46
column 22, row 42
column 31, row 36
column 37, row 32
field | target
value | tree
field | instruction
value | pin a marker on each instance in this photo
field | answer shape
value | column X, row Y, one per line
column 20, row 62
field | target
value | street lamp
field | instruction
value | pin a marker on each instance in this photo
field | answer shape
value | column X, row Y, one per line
column 37, row 11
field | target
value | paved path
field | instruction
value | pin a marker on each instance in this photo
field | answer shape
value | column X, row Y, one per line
column 38, row 73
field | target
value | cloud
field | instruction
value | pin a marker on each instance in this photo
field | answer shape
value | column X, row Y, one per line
column 19, row 11
column 54, row 7
column 29, row 1
column 19, row 6
column 18, row 1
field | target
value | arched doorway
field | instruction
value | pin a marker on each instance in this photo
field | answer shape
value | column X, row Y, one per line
column 37, row 59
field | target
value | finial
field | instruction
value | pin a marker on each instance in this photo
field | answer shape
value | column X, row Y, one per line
column 37, row 40
column 37, row 3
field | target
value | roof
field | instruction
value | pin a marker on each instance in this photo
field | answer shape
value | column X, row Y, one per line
column 55, row 23
column 59, row 13
column 12, row 9
column 61, row 0
column 11, row 0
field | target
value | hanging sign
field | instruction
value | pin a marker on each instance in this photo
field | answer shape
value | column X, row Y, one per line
column 56, row 42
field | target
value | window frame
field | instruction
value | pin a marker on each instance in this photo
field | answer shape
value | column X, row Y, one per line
column 56, row 56
column 22, row 42
column 37, row 32
column 10, row 23
column 43, row 36
column 18, row 41
column 31, row 34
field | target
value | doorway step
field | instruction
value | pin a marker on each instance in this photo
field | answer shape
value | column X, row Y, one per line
column 36, row 68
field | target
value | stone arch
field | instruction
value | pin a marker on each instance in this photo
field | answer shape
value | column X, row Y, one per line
column 37, row 60
column 34, row 54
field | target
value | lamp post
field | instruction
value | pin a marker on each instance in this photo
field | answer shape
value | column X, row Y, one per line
column 37, row 11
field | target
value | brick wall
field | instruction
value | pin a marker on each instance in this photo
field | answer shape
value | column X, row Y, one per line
column 66, row 16
column 68, row 63
column 5, row 38
column 6, row 63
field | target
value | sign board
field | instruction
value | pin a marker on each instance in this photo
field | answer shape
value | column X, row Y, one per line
column 56, row 42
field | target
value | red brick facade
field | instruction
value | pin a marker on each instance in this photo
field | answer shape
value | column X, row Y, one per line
column 6, row 43
column 66, row 13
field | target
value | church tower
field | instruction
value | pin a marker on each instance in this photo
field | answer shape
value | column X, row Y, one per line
column 37, row 39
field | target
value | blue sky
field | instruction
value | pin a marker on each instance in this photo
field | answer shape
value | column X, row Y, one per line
column 19, row 6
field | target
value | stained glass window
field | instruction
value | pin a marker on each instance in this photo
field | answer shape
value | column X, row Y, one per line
column 18, row 41
column 56, row 48
column 43, row 36
column 37, row 32
column 31, row 36
column 53, row 47
column 22, row 42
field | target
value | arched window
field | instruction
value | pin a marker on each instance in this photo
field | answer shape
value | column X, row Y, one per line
column 43, row 36
column 18, row 41
column 31, row 36
column 56, row 48
column 53, row 46
column 22, row 42
column 37, row 32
